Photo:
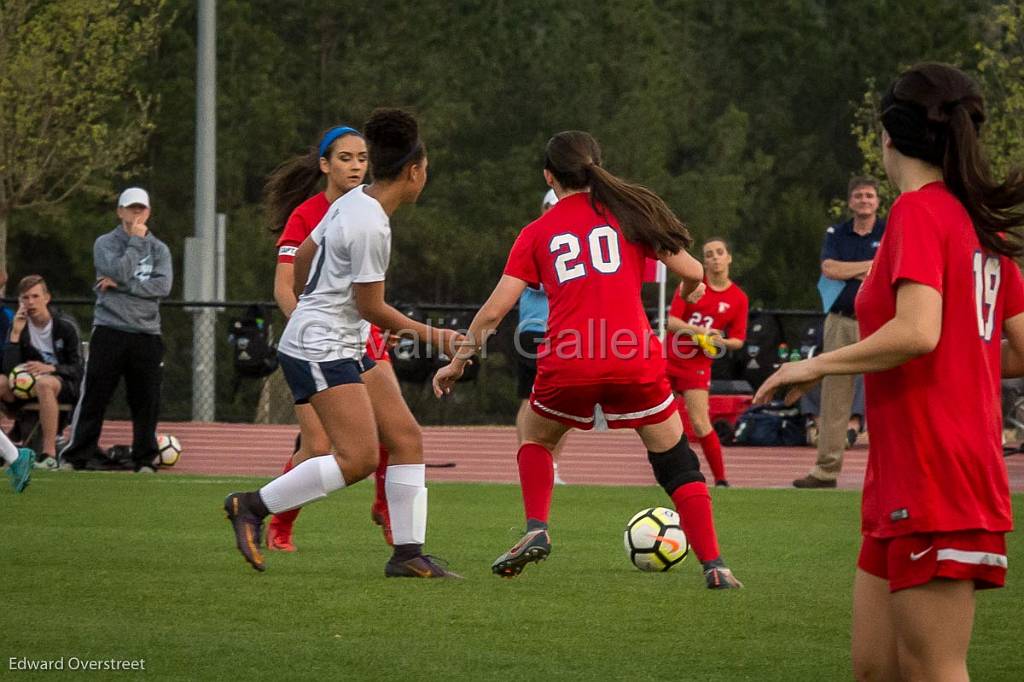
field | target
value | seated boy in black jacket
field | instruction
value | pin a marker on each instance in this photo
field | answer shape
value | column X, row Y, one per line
column 47, row 344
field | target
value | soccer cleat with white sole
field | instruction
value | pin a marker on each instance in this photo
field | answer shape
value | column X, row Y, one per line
column 533, row 547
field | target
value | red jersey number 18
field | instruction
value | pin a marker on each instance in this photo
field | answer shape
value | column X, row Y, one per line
column 603, row 245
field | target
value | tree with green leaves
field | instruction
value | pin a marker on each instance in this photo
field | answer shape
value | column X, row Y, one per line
column 998, row 64
column 71, row 114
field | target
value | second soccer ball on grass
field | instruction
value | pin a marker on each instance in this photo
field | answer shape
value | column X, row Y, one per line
column 169, row 449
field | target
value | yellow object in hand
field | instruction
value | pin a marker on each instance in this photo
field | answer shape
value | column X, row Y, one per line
column 707, row 344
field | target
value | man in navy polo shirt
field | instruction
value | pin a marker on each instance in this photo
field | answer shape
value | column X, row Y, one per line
column 846, row 258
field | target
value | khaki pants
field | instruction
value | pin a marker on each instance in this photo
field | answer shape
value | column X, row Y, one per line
column 836, row 401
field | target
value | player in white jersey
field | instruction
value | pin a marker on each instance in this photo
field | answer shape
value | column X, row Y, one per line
column 353, row 246
column 322, row 353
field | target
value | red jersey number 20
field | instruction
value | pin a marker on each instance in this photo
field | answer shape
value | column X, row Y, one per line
column 603, row 248
column 987, row 276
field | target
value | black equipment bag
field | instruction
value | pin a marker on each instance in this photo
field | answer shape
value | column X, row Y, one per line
column 253, row 345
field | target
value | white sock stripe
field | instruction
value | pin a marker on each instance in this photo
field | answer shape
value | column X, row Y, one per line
column 77, row 410
column 318, row 377
column 642, row 413
column 975, row 558
column 582, row 420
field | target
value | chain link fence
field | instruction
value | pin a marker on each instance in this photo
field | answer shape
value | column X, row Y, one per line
column 199, row 369
column 488, row 399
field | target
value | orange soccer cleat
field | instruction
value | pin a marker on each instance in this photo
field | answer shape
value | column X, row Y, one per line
column 279, row 536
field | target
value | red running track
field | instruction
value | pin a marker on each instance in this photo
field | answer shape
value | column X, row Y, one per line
column 487, row 454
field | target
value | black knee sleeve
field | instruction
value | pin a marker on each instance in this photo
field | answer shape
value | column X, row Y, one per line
column 676, row 467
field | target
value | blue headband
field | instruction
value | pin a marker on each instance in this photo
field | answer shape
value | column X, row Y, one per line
column 333, row 134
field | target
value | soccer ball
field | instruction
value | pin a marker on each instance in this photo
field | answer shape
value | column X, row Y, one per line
column 22, row 383
column 168, row 449
column 654, row 541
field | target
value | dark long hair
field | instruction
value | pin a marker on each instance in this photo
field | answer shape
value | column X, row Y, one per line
column 934, row 112
column 394, row 140
column 574, row 158
column 293, row 182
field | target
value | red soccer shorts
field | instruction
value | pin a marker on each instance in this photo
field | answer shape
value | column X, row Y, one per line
column 376, row 347
column 625, row 406
column 913, row 560
column 689, row 376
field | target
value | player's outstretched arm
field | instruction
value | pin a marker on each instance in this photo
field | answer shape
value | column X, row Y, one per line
column 369, row 297
column 687, row 267
column 1013, row 347
column 484, row 324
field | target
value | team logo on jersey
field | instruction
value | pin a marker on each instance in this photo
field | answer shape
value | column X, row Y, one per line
column 144, row 269
column 875, row 245
column 722, row 307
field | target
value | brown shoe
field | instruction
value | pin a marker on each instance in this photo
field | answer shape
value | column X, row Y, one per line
column 809, row 481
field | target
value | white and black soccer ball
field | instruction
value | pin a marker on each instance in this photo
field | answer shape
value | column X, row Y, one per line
column 654, row 541
column 168, row 449
column 22, row 383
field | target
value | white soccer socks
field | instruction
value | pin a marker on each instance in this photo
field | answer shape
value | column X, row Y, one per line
column 405, row 486
column 310, row 481
column 7, row 449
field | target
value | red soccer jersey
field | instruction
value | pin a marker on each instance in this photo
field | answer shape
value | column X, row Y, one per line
column 301, row 222
column 724, row 310
column 936, row 460
column 598, row 331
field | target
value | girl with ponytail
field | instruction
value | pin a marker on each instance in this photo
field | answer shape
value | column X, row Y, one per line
column 588, row 251
column 294, row 207
column 942, row 293
column 340, row 272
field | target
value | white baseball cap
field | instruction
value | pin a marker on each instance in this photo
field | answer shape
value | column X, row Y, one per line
column 132, row 196
column 550, row 199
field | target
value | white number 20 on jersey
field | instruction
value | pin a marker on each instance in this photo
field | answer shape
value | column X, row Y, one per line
column 986, row 288
column 603, row 245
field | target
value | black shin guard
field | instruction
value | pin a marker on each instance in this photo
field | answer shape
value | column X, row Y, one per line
column 676, row 467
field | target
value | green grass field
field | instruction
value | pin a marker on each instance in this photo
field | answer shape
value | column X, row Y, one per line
column 100, row 566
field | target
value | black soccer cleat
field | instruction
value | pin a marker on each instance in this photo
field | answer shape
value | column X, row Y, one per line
column 248, row 529
column 534, row 547
column 721, row 578
column 421, row 566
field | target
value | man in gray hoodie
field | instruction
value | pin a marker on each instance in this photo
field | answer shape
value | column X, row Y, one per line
column 133, row 272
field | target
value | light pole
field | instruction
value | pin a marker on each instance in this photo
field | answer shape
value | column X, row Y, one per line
column 204, row 321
